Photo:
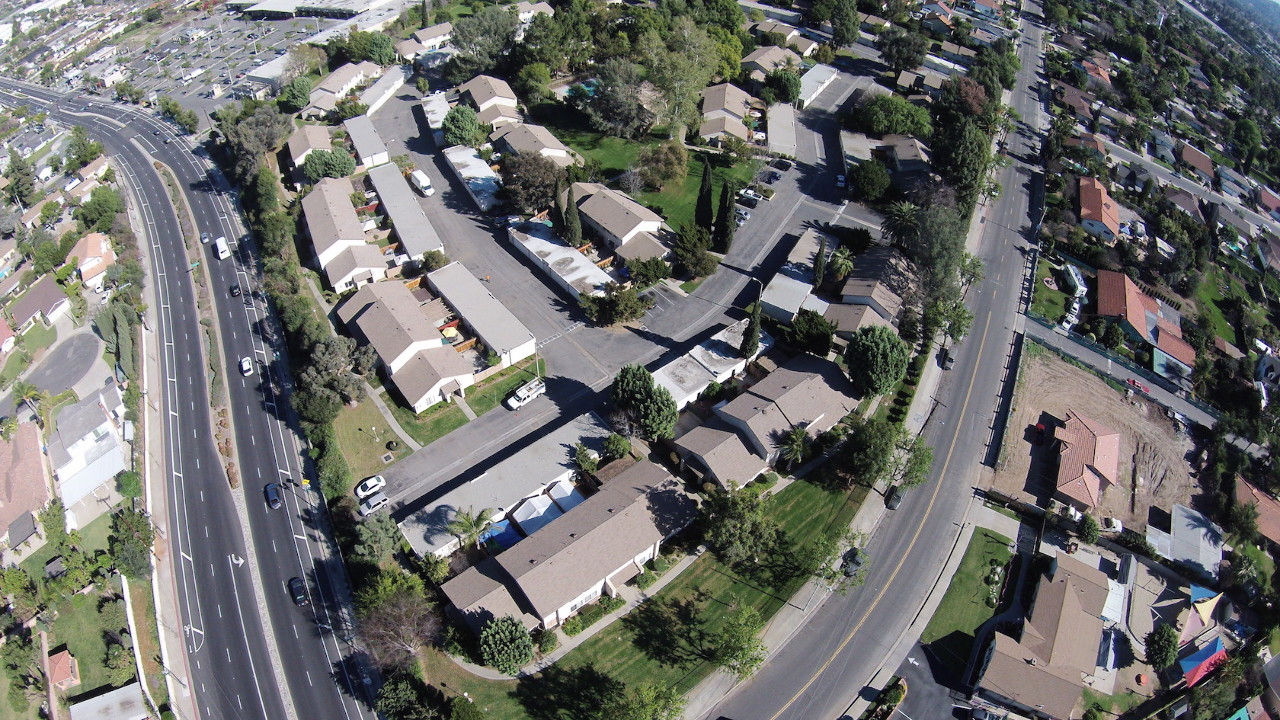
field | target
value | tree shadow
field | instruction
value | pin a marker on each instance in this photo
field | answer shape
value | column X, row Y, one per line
column 353, row 678
column 560, row 693
column 670, row 631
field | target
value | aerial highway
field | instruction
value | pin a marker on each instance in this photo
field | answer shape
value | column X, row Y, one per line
column 231, row 655
column 826, row 664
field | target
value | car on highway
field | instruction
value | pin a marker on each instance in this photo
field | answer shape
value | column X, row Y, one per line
column 298, row 591
column 1133, row 382
column 894, row 498
column 205, row 238
column 272, row 493
column 370, row 485
column 372, row 503
column 246, row 366
column 235, row 290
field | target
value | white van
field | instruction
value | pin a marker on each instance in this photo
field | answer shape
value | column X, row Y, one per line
column 220, row 248
column 423, row 183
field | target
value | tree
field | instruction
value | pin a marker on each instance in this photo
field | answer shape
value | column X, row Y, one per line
column 845, row 23
column 405, row 697
column 469, row 525
column 376, row 538
column 785, row 85
column 877, row 360
column 737, row 527
column 129, row 483
column 531, row 180
column 119, row 663
column 461, row 126
column 738, row 646
column 703, row 213
column 386, row 584
column 962, row 158
column 901, row 224
column 660, row 164
column 303, row 59
column 360, row 45
column 33, row 397
column 618, row 305
column 871, row 178
column 571, row 221
column 22, row 180
column 482, row 40
column 1089, row 529
column 649, row 701
column 464, row 708
column 1161, row 646
column 400, row 626
column 751, row 335
column 100, row 210
column 645, row 406
column 916, row 462
column 80, row 150
column 901, row 50
column 841, row 263
column 811, row 333
column 505, row 645
column 795, row 447
column 1248, row 141
column 349, row 107
column 820, row 263
column 726, row 220
column 17, row 585
column 892, row 115
column 614, row 106
column 692, row 251
column 130, row 542
column 1242, row 520
column 296, row 95
column 648, row 271
column 867, row 455
column 938, row 250
column 617, row 446
column 322, row 164
column 680, row 64
column 532, row 81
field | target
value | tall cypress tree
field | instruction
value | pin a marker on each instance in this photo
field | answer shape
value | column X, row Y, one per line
column 751, row 336
column 820, row 264
column 704, row 214
column 725, row 224
column 572, row 223
column 426, row 15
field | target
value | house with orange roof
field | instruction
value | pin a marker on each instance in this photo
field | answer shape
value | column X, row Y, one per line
column 1147, row 320
column 1269, row 202
column 1267, row 505
column 1090, row 144
column 24, row 484
column 64, row 671
column 93, row 256
column 1099, row 214
column 1088, row 461
column 1097, row 71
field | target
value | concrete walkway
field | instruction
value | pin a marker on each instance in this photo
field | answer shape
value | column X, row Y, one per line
column 632, row 596
column 466, row 409
column 375, row 394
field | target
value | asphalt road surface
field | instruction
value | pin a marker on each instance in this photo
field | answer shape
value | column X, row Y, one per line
column 325, row 674
column 827, row 664
column 63, row 367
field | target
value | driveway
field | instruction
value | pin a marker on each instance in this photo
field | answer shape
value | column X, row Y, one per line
column 61, row 368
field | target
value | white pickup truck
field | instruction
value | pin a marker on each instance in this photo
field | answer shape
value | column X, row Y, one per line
column 525, row 394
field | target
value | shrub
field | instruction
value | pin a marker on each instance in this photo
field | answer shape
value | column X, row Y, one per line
column 610, row 603
column 645, row 580
column 548, row 641
column 660, row 564
column 573, row 626
column 894, row 694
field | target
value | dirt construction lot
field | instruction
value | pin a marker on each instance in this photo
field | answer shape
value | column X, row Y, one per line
column 1152, row 470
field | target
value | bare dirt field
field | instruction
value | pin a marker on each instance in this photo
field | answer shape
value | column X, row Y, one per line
column 1153, row 471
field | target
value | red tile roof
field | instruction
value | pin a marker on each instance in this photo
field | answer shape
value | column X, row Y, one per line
column 1096, row 204
column 1268, row 199
column 62, row 669
column 1097, row 71
column 1118, row 296
column 1177, row 348
column 1268, row 508
column 1089, row 459
column 23, row 487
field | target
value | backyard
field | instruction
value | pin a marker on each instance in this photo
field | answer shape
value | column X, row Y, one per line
column 92, row 537
column 666, row 640
column 966, row 606
column 79, row 626
column 676, row 202
column 1216, row 287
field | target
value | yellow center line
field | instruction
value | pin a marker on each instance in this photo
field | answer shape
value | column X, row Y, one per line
column 914, row 538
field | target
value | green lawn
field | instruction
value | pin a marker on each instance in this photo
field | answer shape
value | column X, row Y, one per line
column 1045, row 302
column 13, row 367
column 664, row 640
column 571, row 127
column 38, row 337
column 1261, row 559
column 1113, row 704
column 676, row 202
column 92, row 537
column 952, row 629
column 33, row 710
column 432, row 424
column 487, row 395
column 1208, row 296
column 79, row 626
column 363, row 434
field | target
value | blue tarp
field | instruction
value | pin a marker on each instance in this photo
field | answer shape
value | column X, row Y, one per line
column 1198, row 593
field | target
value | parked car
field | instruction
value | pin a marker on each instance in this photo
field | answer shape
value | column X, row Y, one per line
column 370, row 485
column 372, row 503
column 1133, row 382
column 840, row 181
column 1112, row 525
column 783, row 165
column 749, row 202
column 894, row 498
column 298, row 591
column 272, row 494
column 773, row 177
column 526, row 394
column 749, row 193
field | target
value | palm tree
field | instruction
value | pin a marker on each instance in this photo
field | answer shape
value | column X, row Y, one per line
column 469, row 525
column 840, row 264
column 901, row 225
column 33, row 396
column 795, row 446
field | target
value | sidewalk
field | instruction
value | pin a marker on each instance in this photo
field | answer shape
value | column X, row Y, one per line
column 631, row 594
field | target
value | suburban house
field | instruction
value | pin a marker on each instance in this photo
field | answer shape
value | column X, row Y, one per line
column 762, row 61
column 1098, row 71
column 808, row 392
column 1040, row 671
column 1269, row 202
column 325, row 96
column 93, row 256
column 94, row 170
column 877, row 281
column 630, row 229
column 787, row 32
column 24, row 484
column 385, row 88
column 1267, row 249
column 370, row 150
column 989, row 9
column 124, row 703
column 521, row 138
column 725, row 109
column 1267, row 505
column 716, row 359
column 544, row 466
column 413, row 229
column 937, row 23
column 337, row 237
column 1148, row 320
column 64, row 671
column 1163, row 146
column 873, row 24
column 1134, row 177
column 958, row 53
column 791, row 288
column 586, row 553
column 427, row 39
column 526, row 11
column 1088, row 461
column 1193, row 542
column 1090, row 144
column 415, row 357
column 571, row 270
column 493, row 324
column 906, row 158
column 1079, row 102
column 43, row 302
column 1099, row 215
column 493, row 99
column 1225, row 216
column 1233, row 184
column 1196, row 162
column 306, row 139
column 87, row 449
column 1184, row 201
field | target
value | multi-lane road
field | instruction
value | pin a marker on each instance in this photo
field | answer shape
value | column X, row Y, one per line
column 224, row 584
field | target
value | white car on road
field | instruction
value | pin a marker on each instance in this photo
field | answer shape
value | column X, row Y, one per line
column 246, row 366
column 370, row 485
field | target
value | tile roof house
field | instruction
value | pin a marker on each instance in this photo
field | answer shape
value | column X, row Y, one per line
column 64, row 671
column 1089, row 460
column 762, row 61
column 493, row 100
column 1079, row 102
column 24, row 482
column 1197, row 162
column 520, row 138
column 629, row 228
column 331, row 220
column 45, row 302
column 1184, row 201
column 586, row 553
column 1149, row 320
column 725, row 109
column 306, row 139
column 1098, row 73
column 937, row 23
column 425, row 40
column 1267, row 505
column 878, row 278
column 1041, row 671
column 988, row 8
column 417, row 359
column 94, row 256
column 87, row 448
column 1099, row 214
column 787, row 32
column 1090, row 143
column 1269, row 202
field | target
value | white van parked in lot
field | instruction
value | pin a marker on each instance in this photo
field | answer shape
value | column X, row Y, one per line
column 422, row 183
column 220, row 249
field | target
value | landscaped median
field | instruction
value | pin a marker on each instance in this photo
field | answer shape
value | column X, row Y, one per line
column 669, row 639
